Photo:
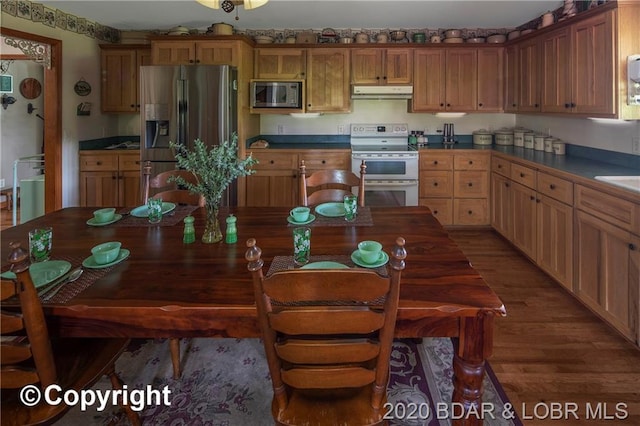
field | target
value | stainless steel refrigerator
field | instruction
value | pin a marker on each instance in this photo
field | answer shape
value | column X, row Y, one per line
column 182, row 103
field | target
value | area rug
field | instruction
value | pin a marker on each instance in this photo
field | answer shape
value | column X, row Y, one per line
column 225, row 382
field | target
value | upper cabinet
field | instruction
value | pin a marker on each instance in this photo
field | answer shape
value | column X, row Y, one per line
column 528, row 77
column 378, row 66
column 119, row 69
column 279, row 64
column 328, row 87
column 457, row 79
column 192, row 52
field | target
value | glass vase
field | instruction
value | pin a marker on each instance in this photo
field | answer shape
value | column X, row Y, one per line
column 212, row 232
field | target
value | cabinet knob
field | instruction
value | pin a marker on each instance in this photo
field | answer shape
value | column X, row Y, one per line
column 441, row 105
column 514, row 105
column 384, row 78
column 480, row 104
column 499, row 166
column 552, row 186
column 448, row 105
column 324, row 162
column 521, row 174
column 197, row 61
column 191, row 61
column 308, row 105
column 632, row 246
column 435, row 212
column 99, row 163
column 567, row 105
column 470, row 184
column 377, row 78
column 573, row 105
column 435, row 183
column 137, row 162
column 435, row 162
column 470, row 161
column 506, row 184
column 531, row 197
column 470, row 212
column 272, row 162
column 132, row 106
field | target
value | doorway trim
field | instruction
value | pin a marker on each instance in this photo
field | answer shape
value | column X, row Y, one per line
column 52, row 118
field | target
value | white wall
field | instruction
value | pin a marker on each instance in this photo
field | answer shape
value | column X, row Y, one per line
column 20, row 132
column 388, row 111
column 80, row 59
column 612, row 135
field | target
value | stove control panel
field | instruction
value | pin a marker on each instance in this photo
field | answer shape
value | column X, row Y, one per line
column 383, row 130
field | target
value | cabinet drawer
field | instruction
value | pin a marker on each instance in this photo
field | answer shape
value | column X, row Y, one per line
column 436, row 161
column 267, row 161
column 609, row 208
column 436, row 184
column 333, row 161
column 501, row 166
column 441, row 208
column 471, row 184
column 524, row 175
column 98, row 162
column 468, row 211
column 471, row 162
column 128, row 162
column 555, row 187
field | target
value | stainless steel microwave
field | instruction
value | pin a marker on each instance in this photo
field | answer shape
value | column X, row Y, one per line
column 276, row 94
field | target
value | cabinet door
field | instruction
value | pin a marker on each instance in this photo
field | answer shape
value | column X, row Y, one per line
column 512, row 79
column 99, row 189
column 367, row 67
column 328, row 80
column 129, row 192
column 461, row 80
column 555, row 59
column 555, row 240
column 608, row 272
column 429, row 80
column 441, row 208
column 528, row 69
column 501, row 205
column 490, row 79
column 523, row 219
column 173, row 52
column 280, row 63
column 216, row 52
column 119, row 80
column 398, row 66
column 470, row 184
column 593, row 64
column 276, row 188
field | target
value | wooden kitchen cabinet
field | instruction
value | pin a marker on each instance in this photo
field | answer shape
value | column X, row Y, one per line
column 377, row 66
column 328, row 88
column 512, row 78
column 191, row 52
column 490, row 80
column 501, row 205
column 529, row 76
column 110, row 179
column 279, row 64
column 429, row 80
column 119, row 76
column 555, row 71
column 276, row 181
column 523, row 219
column 455, row 186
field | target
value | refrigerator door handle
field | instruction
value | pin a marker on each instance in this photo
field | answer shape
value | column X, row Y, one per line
column 183, row 111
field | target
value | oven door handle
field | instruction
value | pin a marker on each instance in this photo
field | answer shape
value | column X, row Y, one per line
column 383, row 157
column 387, row 183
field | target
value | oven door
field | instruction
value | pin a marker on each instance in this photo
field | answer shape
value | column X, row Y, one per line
column 386, row 166
column 390, row 192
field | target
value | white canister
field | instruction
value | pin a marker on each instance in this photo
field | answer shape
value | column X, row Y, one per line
column 538, row 142
column 548, row 144
column 518, row 137
column 528, row 139
column 482, row 137
column 504, row 137
column 559, row 148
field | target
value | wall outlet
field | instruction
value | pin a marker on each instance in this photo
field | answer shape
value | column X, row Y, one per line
column 280, row 129
column 635, row 147
column 341, row 129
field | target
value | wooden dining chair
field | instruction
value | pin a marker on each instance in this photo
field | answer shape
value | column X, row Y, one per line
column 330, row 185
column 170, row 192
column 31, row 357
column 327, row 335
column 173, row 194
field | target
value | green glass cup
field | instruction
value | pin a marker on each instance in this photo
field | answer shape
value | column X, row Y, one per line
column 40, row 242
column 301, row 245
column 350, row 207
column 154, row 206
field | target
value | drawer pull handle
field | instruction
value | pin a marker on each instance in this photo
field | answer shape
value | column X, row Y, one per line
column 499, row 166
column 435, row 162
column 272, row 162
column 470, row 212
column 99, row 163
column 506, row 184
column 324, row 162
column 137, row 162
column 435, row 183
column 470, row 184
column 552, row 186
column 632, row 246
column 470, row 161
column 435, row 212
column 531, row 197
column 521, row 174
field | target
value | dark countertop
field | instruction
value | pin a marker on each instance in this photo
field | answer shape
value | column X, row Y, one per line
column 109, row 143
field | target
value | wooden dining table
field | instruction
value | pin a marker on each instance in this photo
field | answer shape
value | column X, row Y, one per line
column 166, row 288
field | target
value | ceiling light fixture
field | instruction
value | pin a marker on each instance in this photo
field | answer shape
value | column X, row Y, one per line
column 229, row 5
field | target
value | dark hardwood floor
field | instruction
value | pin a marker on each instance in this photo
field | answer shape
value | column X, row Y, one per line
column 550, row 348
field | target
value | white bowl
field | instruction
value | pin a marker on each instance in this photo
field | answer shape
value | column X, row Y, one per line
column 453, row 40
column 453, row 33
column 476, row 40
column 263, row 39
column 497, row 38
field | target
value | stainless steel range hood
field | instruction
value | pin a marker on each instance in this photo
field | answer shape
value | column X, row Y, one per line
column 381, row 92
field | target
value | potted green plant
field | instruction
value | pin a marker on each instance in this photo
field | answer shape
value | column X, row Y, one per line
column 215, row 168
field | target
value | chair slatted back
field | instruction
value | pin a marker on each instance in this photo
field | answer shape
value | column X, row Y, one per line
column 327, row 329
column 26, row 350
column 172, row 193
column 330, row 185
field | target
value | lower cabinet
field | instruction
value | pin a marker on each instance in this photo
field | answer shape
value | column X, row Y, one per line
column 110, row 179
column 276, row 180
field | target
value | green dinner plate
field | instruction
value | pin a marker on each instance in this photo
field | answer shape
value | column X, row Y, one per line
column 355, row 257
column 324, row 265
column 92, row 221
column 42, row 273
column 143, row 211
column 293, row 222
column 330, row 209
